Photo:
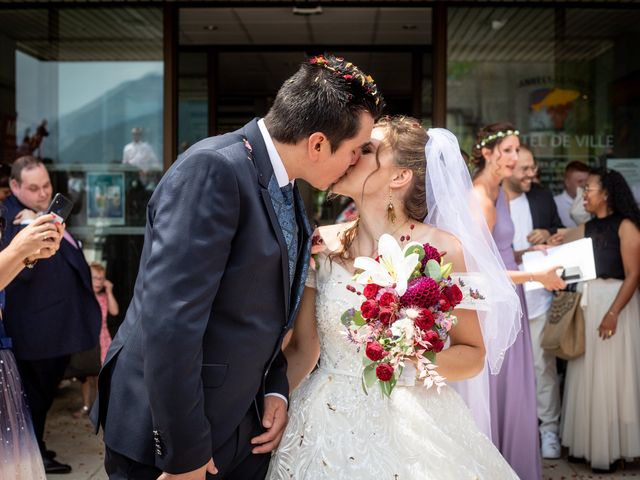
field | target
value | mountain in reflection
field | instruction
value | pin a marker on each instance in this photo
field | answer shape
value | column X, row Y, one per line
column 98, row 132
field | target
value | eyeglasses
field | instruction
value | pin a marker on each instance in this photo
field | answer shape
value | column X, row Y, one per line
column 533, row 170
column 589, row 190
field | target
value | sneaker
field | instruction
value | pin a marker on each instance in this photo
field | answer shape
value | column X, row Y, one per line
column 550, row 445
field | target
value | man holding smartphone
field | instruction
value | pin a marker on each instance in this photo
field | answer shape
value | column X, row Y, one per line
column 51, row 311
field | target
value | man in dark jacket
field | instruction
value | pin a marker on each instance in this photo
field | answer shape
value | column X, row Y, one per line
column 51, row 310
column 535, row 218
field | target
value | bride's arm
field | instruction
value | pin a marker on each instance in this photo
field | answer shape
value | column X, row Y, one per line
column 465, row 357
column 303, row 347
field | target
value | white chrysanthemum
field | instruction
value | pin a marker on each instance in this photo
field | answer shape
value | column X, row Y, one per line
column 403, row 326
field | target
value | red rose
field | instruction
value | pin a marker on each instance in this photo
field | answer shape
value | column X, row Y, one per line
column 369, row 309
column 425, row 319
column 444, row 304
column 430, row 336
column 387, row 298
column 375, row 351
column 438, row 345
column 453, row 294
column 386, row 315
column 384, row 372
column 434, row 339
column 371, row 290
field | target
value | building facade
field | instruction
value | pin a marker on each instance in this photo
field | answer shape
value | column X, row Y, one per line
column 110, row 92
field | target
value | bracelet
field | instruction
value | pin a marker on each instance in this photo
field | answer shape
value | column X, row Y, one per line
column 29, row 263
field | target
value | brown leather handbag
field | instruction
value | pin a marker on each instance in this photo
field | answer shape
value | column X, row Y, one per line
column 563, row 335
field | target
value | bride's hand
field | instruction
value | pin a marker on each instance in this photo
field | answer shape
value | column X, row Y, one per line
column 274, row 420
column 199, row 474
column 549, row 279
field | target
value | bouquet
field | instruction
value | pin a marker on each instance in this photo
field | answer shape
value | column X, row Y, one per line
column 406, row 314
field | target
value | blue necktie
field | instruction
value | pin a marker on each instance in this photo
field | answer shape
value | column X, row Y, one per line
column 283, row 204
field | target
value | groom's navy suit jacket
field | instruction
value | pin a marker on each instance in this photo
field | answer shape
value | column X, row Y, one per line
column 201, row 341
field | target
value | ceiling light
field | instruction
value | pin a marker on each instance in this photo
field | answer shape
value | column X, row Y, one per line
column 210, row 28
column 498, row 24
column 299, row 10
column 409, row 27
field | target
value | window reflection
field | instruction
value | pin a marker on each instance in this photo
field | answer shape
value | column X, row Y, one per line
column 82, row 88
column 565, row 77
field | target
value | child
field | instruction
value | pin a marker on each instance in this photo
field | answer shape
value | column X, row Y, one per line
column 103, row 290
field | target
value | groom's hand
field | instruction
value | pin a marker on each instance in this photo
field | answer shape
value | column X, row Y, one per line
column 274, row 421
column 199, row 474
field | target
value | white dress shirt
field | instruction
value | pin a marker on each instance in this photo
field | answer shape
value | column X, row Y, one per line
column 564, row 202
column 279, row 169
column 538, row 301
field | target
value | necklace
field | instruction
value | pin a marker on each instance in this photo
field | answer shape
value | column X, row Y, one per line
column 403, row 238
column 395, row 231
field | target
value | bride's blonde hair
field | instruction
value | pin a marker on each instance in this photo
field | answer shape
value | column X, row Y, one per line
column 406, row 138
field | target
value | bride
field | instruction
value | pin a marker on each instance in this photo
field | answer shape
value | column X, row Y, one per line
column 335, row 430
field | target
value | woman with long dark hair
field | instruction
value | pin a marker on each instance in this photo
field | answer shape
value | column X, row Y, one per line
column 601, row 412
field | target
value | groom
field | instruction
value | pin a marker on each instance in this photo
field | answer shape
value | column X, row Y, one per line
column 195, row 380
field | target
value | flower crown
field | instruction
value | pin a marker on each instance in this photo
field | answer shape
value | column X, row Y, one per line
column 495, row 136
column 349, row 72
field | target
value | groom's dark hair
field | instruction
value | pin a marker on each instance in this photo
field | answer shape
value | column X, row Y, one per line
column 327, row 94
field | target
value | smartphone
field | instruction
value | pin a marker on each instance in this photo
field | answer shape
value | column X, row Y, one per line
column 60, row 208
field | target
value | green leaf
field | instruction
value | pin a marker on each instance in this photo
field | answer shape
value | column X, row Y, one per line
column 358, row 319
column 431, row 356
column 433, row 268
column 415, row 249
column 369, row 375
column 446, row 270
column 347, row 317
column 364, row 386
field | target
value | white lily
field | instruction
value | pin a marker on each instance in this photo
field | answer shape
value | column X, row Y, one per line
column 393, row 268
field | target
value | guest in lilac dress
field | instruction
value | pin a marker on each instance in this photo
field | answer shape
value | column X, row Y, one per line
column 514, row 421
column 19, row 453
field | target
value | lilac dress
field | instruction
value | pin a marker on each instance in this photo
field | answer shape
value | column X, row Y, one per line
column 514, row 421
column 19, row 453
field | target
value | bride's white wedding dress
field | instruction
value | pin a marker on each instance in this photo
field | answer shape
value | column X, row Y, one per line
column 336, row 431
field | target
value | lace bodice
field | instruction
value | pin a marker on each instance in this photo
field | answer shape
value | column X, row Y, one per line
column 332, row 300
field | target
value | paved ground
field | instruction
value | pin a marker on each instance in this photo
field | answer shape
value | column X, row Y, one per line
column 75, row 443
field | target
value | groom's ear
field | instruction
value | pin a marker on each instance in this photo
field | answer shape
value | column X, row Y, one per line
column 316, row 143
column 401, row 178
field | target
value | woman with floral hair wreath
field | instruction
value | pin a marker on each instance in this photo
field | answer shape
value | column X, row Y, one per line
column 514, row 420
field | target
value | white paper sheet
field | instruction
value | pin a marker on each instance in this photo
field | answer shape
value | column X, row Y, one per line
column 575, row 257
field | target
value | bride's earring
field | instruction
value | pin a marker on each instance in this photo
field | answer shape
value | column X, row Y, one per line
column 391, row 211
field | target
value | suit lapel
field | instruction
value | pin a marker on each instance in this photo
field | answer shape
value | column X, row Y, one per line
column 258, row 153
column 533, row 208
